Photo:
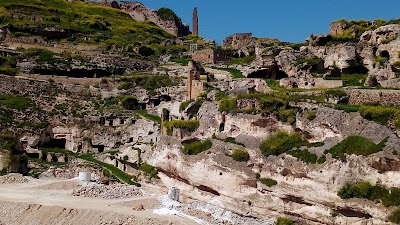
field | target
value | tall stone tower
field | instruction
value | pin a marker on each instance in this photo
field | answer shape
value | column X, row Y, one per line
column 195, row 22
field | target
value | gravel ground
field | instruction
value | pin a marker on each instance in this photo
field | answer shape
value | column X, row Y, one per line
column 13, row 178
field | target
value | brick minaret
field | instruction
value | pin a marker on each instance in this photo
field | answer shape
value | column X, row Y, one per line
column 195, row 22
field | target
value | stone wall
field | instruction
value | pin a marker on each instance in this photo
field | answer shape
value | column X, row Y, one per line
column 204, row 56
column 384, row 97
column 336, row 28
column 237, row 41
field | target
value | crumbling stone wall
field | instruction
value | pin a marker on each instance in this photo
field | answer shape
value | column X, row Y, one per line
column 237, row 41
column 336, row 28
column 204, row 56
column 384, row 97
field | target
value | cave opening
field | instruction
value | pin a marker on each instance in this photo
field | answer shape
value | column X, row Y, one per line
column 259, row 74
column 77, row 73
column 54, row 158
column 55, row 143
column 100, row 148
column 34, row 155
column 360, row 69
column 385, row 54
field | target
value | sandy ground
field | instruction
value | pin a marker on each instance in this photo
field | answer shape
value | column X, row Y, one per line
column 48, row 202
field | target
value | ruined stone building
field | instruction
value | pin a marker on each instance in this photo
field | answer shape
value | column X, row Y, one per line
column 209, row 55
column 195, row 85
column 195, row 22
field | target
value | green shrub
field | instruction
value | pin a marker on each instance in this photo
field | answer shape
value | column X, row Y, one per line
column 381, row 60
column 15, row 102
column 311, row 115
column 348, row 108
column 166, row 14
column 269, row 182
column 148, row 169
column 380, row 114
column 304, row 155
column 184, row 105
column 190, row 125
column 8, row 70
column 280, row 142
column 371, row 192
column 227, row 105
column 240, row 155
column 126, row 158
column 196, row 147
column 284, row 221
column 8, row 142
column 394, row 217
column 355, row 145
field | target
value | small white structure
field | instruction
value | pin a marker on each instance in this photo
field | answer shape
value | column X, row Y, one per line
column 85, row 176
column 173, row 193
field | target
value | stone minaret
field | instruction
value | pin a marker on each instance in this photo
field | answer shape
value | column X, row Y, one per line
column 195, row 22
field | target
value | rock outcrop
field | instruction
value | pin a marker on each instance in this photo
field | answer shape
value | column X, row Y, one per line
column 139, row 12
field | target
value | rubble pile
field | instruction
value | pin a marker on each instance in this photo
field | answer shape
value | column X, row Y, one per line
column 13, row 178
column 107, row 191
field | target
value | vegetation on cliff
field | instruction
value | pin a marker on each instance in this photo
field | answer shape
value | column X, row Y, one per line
column 78, row 22
column 371, row 192
column 196, row 147
column 357, row 145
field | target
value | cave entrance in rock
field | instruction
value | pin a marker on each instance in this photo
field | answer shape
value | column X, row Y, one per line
column 355, row 70
column 385, row 54
column 34, row 155
column 281, row 74
column 55, row 143
column 259, row 74
column 100, row 148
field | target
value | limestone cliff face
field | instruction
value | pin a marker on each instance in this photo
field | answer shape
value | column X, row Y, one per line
column 306, row 191
column 140, row 12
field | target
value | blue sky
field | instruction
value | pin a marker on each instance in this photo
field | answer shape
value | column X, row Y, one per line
column 291, row 21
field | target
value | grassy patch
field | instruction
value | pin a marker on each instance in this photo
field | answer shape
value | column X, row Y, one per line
column 355, row 145
column 190, row 125
column 284, row 221
column 182, row 61
column 15, row 102
column 309, row 61
column 380, row 114
column 311, row 115
column 240, row 155
column 228, row 140
column 269, row 182
column 243, row 61
column 84, row 22
column 347, row 108
column 234, row 72
column 304, row 155
column 281, row 142
column 184, row 105
column 196, row 147
column 394, row 217
column 350, row 80
column 8, row 142
column 148, row 116
column 149, row 170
